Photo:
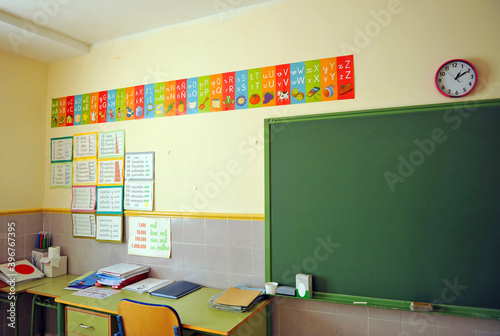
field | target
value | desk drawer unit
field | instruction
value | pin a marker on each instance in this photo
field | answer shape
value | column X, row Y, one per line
column 88, row 323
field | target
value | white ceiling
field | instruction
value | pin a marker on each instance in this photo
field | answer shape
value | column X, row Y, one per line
column 51, row 30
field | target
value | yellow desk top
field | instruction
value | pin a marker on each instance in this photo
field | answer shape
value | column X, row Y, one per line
column 54, row 288
column 193, row 309
column 47, row 283
column 23, row 286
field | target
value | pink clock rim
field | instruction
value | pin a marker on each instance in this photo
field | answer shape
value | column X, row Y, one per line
column 455, row 60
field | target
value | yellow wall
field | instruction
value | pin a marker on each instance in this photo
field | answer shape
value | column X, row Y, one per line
column 23, row 87
column 397, row 47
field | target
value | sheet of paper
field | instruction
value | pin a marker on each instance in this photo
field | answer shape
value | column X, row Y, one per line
column 138, row 195
column 139, row 166
column 84, row 199
column 84, row 172
column 110, row 200
column 61, row 175
column 85, row 145
column 149, row 236
column 61, row 149
column 83, row 225
column 110, row 172
column 109, row 228
column 96, row 292
column 111, row 144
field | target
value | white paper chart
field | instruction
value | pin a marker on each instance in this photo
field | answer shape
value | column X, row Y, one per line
column 149, row 236
column 110, row 200
column 84, row 172
column 83, row 225
column 85, row 145
column 138, row 195
column 139, row 166
column 109, row 228
column 110, row 172
column 61, row 175
column 61, row 149
column 84, row 198
column 111, row 144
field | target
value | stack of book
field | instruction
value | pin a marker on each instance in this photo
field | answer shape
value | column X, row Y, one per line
column 121, row 275
column 238, row 299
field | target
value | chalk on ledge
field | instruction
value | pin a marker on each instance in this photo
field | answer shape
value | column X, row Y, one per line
column 421, row 307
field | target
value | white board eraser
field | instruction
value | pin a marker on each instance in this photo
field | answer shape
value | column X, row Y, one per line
column 303, row 285
column 421, row 307
column 285, row 290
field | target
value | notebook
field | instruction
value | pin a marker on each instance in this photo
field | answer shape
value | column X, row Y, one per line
column 176, row 290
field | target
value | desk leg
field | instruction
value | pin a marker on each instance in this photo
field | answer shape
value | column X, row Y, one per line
column 60, row 319
column 33, row 315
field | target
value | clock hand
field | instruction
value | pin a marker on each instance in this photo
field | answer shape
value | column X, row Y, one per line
column 460, row 75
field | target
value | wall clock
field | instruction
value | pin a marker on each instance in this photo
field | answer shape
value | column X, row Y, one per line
column 456, row 78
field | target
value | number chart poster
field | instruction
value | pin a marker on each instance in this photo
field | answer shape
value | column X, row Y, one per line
column 325, row 79
column 149, row 236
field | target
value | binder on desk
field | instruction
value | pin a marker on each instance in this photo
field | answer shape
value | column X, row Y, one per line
column 176, row 290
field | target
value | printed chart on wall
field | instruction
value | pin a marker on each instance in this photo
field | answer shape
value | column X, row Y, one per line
column 61, row 167
column 84, row 199
column 149, row 236
column 320, row 80
column 83, row 225
column 85, row 159
column 109, row 228
column 110, row 200
column 139, row 181
column 111, row 144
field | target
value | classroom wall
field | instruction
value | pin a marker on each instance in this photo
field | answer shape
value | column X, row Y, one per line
column 397, row 47
column 23, row 92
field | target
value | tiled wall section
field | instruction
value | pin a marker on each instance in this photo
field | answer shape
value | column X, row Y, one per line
column 26, row 227
column 212, row 252
column 297, row 317
column 221, row 253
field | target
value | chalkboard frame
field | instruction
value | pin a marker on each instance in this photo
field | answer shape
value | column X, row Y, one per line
column 354, row 299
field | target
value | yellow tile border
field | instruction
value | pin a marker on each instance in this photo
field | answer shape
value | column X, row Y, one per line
column 170, row 214
column 20, row 211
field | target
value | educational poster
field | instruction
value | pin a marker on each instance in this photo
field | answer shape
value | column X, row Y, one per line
column 84, row 199
column 83, row 225
column 61, row 175
column 149, row 236
column 111, row 144
column 109, row 200
column 138, row 195
column 139, row 166
column 84, row 172
column 85, row 145
column 109, row 228
column 110, row 172
column 312, row 81
column 61, row 149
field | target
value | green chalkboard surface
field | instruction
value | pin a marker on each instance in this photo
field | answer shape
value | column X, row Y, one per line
column 396, row 204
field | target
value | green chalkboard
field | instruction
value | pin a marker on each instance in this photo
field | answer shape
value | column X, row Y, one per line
column 397, row 205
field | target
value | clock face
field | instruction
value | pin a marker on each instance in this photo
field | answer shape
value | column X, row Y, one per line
column 456, row 78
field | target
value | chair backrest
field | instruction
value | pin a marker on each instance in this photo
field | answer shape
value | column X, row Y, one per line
column 145, row 319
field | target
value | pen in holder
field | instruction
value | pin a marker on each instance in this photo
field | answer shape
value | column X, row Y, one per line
column 42, row 242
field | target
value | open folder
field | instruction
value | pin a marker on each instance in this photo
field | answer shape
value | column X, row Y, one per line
column 237, row 297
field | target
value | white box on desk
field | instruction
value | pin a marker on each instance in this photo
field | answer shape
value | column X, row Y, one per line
column 52, row 271
column 35, row 258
